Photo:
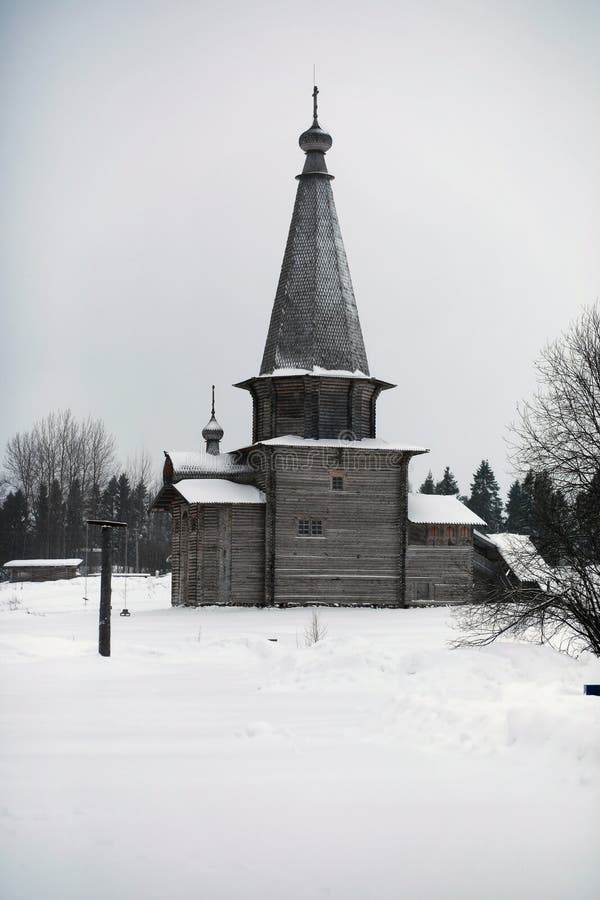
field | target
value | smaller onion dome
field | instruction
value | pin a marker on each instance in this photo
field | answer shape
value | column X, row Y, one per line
column 212, row 431
column 315, row 139
column 315, row 142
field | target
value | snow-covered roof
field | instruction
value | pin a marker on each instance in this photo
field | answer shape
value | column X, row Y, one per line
column 47, row 563
column 218, row 490
column 316, row 371
column 484, row 538
column 293, row 440
column 518, row 552
column 440, row 509
column 199, row 462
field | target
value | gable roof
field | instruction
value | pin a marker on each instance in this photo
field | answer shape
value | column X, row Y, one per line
column 425, row 509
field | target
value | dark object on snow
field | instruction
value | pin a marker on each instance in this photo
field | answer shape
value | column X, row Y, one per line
column 593, row 689
column 105, row 585
column 274, row 640
column 125, row 612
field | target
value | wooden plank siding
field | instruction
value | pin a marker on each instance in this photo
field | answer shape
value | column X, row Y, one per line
column 313, row 407
column 438, row 575
column 217, row 554
column 359, row 559
column 367, row 553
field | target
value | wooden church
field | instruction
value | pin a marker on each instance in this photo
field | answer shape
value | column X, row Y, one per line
column 316, row 508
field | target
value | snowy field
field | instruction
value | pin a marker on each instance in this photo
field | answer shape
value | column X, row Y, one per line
column 204, row 761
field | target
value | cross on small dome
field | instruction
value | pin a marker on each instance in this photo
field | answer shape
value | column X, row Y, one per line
column 212, row 431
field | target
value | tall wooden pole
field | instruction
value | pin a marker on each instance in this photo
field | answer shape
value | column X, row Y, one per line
column 105, row 592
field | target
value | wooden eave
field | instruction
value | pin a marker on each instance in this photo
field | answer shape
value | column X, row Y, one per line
column 249, row 383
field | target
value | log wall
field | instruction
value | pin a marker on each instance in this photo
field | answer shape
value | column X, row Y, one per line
column 313, row 407
column 217, row 554
column 359, row 558
column 43, row 573
column 438, row 575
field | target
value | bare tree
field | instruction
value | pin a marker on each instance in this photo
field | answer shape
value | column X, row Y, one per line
column 100, row 449
column 21, row 463
column 315, row 631
column 73, row 460
column 139, row 468
column 557, row 437
column 558, row 431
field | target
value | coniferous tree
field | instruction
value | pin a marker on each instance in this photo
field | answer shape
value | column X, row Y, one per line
column 548, row 510
column 123, row 514
column 587, row 513
column 448, row 484
column 56, row 522
column 517, row 510
column 94, row 502
column 74, row 519
column 428, row 486
column 41, row 514
column 15, row 525
column 109, row 499
column 485, row 497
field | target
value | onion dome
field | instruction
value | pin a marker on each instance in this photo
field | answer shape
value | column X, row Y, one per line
column 315, row 142
column 212, row 431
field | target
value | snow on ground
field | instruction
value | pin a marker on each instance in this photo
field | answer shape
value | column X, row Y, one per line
column 204, row 761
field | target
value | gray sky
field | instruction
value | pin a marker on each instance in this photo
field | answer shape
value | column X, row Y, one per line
column 148, row 163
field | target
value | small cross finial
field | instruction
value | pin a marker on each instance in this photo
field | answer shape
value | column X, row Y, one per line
column 314, row 93
column 212, row 412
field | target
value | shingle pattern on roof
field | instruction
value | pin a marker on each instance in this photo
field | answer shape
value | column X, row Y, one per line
column 315, row 320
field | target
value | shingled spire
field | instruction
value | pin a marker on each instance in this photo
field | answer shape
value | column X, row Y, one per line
column 314, row 323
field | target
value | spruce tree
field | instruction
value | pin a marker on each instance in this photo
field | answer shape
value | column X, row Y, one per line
column 41, row 513
column 15, row 525
column 548, row 509
column 448, row 484
column 123, row 514
column 56, row 522
column 428, row 486
column 74, row 519
column 518, row 510
column 109, row 499
column 587, row 519
column 485, row 497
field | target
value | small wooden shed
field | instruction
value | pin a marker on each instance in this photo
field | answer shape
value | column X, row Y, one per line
column 42, row 569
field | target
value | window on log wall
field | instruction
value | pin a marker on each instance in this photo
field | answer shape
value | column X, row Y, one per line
column 310, row 527
column 337, row 482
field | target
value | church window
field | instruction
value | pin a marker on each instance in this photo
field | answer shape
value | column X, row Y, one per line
column 434, row 531
column 464, row 532
column 337, row 482
column 310, row 527
column 450, row 532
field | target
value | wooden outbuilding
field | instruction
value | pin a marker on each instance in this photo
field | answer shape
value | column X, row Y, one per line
column 42, row 569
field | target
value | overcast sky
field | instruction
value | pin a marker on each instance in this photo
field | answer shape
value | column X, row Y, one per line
column 148, row 162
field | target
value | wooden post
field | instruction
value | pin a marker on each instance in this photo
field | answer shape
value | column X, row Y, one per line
column 105, row 593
